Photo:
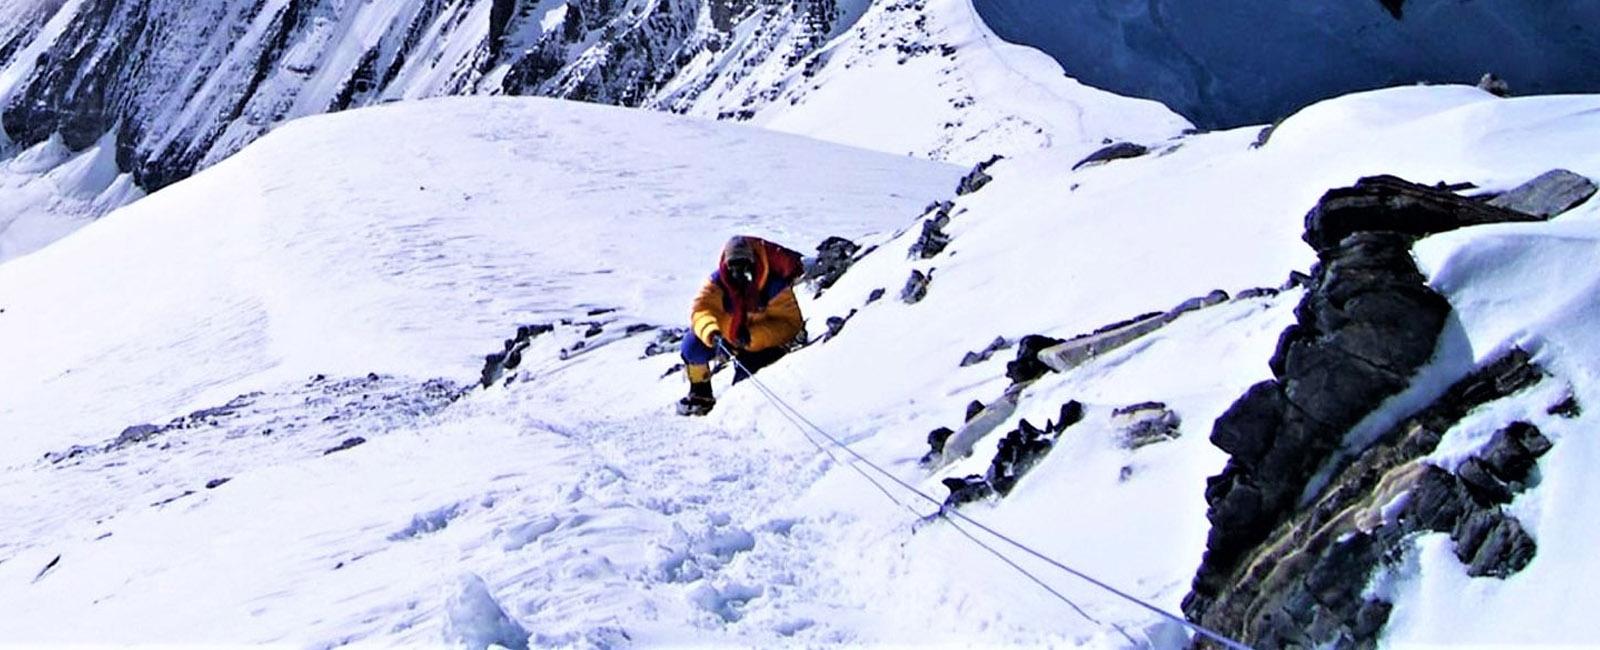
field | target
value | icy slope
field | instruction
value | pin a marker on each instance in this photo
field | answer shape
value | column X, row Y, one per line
column 567, row 506
column 342, row 248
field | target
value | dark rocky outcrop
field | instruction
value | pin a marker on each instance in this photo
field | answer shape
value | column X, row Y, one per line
column 933, row 239
column 973, row 358
column 1113, row 152
column 1390, row 204
column 1302, row 584
column 1027, row 366
column 978, row 177
column 1019, row 452
column 497, row 364
column 916, row 287
column 1146, row 423
column 1299, row 522
column 835, row 255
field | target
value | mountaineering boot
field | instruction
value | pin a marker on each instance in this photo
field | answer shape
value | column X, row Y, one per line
column 699, row 400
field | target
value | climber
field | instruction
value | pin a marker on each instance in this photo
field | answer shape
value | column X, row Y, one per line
column 748, row 309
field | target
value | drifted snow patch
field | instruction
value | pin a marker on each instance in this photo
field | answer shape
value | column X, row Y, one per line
column 475, row 620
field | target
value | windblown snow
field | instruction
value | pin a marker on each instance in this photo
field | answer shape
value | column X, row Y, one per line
column 300, row 329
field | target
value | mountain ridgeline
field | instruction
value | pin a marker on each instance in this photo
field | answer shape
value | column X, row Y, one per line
column 186, row 84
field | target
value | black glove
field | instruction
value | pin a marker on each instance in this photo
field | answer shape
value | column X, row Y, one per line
column 743, row 337
column 719, row 345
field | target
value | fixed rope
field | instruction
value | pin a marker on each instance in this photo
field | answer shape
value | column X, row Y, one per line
column 800, row 421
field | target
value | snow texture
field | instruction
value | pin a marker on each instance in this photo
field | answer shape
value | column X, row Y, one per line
column 589, row 514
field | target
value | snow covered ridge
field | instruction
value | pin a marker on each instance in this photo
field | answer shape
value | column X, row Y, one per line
column 923, row 77
column 568, row 506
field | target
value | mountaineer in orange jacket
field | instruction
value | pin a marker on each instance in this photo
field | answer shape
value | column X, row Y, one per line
column 748, row 309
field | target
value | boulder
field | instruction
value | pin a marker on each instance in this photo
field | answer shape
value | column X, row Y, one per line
column 1112, row 152
column 1551, row 193
column 1390, row 204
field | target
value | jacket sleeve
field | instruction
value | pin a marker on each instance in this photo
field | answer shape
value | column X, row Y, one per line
column 780, row 323
column 707, row 313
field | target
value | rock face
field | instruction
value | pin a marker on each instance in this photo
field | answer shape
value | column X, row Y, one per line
column 1189, row 55
column 202, row 79
column 1303, row 584
column 1278, row 573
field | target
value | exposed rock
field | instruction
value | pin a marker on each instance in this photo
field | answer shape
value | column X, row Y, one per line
column 1506, row 549
column 978, row 177
column 835, row 324
column 667, row 341
column 916, row 287
column 1390, row 204
column 875, row 295
column 1019, row 452
column 1551, row 193
column 1302, row 583
column 1566, row 408
column 936, row 440
column 348, row 443
column 1074, row 352
column 217, row 482
column 1027, row 366
column 135, row 434
column 835, row 255
column 999, row 343
column 1146, row 423
column 1113, row 152
column 495, row 365
column 933, row 239
column 1488, row 83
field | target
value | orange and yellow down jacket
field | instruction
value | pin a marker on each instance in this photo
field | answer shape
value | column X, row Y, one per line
column 772, row 326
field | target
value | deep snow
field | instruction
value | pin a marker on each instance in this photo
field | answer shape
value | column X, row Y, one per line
column 591, row 515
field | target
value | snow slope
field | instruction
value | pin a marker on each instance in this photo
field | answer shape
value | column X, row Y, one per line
column 568, row 507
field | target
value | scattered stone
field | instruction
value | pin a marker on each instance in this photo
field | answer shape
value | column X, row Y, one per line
column 973, row 409
column 835, row 256
column 973, row 358
column 916, row 287
column 1566, row 408
column 135, row 434
column 1551, row 193
column 1146, row 423
column 1265, row 135
column 1489, row 82
column 836, row 323
column 966, row 490
column 1113, row 152
column 936, row 440
column 933, row 239
column 598, row 311
column 1256, row 292
column 1027, row 366
column 47, row 567
column 216, row 482
column 1295, row 281
column 875, row 295
column 347, row 444
column 595, row 329
column 978, row 177
column 667, row 341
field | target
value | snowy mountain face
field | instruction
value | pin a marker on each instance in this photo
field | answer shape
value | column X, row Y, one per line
column 269, row 426
column 1256, row 61
column 164, row 88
